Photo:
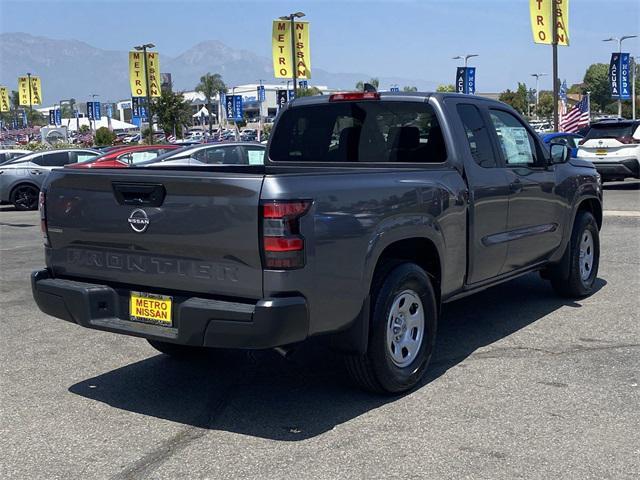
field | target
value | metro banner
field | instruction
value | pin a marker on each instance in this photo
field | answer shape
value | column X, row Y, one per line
column 4, row 99
column 23, row 91
column 541, row 12
column 281, row 46
column 620, row 76
column 137, row 77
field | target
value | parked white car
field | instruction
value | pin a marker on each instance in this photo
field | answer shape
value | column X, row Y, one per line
column 614, row 148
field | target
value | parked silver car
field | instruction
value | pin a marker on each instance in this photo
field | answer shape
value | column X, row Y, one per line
column 20, row 179
column 8, row 154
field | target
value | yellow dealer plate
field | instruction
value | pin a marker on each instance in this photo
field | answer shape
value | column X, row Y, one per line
column 150, row 308
column 601, row 151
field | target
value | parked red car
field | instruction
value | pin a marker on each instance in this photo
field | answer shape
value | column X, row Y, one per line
column 126, row 156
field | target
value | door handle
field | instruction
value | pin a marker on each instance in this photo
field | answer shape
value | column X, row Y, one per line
column 515, row 186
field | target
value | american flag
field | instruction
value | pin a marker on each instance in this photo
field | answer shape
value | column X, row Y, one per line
column 577, row 117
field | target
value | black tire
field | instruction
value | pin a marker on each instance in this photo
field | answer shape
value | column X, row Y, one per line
column 376, row 371
column 177, row 351
column 25, row 197
column 570, row 283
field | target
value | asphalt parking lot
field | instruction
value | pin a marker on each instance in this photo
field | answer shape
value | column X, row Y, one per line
column 523, row 385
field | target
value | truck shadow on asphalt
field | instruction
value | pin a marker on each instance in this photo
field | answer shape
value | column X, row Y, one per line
column 264, row 395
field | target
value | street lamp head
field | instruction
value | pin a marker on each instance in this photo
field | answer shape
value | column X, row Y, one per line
column 628, row 36
column 612, row 39
column 146, row 45
column 457, row 57
column 298, row 14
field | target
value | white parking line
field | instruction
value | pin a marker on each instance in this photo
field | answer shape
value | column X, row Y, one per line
column 621, row 213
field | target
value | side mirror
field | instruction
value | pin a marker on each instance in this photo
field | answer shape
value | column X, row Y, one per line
column 559, row 153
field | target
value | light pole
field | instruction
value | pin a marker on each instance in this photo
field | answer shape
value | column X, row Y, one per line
column 30, row 104
column 619, row 40
column 633, row 87
column 143, row 49
column 465, row 58
column 294, row 67
column 538, row 75
column 93, row 98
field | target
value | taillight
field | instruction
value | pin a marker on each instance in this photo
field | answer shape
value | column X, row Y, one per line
column 43, row 217
column 351, row 96
column 282, row 243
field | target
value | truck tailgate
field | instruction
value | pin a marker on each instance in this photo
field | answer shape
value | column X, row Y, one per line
column 190, row 231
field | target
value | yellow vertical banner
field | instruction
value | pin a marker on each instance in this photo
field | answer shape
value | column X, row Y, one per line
column 4, row 99
column 36, row 91
column 303, row 50
column 541, row 12
column 153, row 72
column 281, row 48
column 136, row 75
column 23, row 91
column 281, row 45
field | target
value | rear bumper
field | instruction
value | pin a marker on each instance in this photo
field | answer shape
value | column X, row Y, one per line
column 618, row 169
column 197, row 321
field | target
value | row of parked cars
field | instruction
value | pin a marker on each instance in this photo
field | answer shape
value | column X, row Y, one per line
column 21, row 175
column 612, row 145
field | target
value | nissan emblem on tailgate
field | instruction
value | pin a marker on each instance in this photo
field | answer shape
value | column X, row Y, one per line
column 139, row 220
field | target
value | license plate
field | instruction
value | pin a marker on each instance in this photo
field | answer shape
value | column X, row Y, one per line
column 150, row 308
column 601, row 151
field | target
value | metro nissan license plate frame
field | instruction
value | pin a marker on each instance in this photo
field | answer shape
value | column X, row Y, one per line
column 151, row 308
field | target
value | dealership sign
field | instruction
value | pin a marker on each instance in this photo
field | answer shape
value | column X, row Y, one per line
column 619, row 76
column 466, row 80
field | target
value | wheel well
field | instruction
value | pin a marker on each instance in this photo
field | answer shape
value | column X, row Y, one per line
column 593, row 206
column 421, row 251
column 21, row 184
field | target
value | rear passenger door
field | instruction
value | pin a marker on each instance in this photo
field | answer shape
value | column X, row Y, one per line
column 488, row 184
column 534, row 209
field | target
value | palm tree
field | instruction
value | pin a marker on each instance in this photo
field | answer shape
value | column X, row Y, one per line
column 210, row 85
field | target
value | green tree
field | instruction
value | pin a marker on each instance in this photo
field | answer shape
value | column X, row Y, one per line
column 104, row 137
column 517, row 99
column 172, row 112
column 309, row 92
column 210, row 85
column 446, row 88
column 545, row 104
column 373, row 81
column 408, row 88
column 596, row 81
column 84, row 129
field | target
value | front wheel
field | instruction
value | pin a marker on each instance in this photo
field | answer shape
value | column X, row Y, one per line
column 25, row 197
column 402, row 332
column 583, row 252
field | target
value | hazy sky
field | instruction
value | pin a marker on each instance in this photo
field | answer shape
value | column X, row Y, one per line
column 413, row 39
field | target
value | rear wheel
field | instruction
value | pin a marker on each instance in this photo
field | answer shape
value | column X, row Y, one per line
column 583, row 254
column 402, row 332
column 25, row 197
column 175, row 350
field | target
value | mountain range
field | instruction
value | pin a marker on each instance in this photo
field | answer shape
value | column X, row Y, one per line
column 75, row 69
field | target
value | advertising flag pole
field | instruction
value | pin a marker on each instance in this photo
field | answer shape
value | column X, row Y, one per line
column 556, row 89
column 30, row 104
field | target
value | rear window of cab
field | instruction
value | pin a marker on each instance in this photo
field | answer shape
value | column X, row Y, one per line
column 366, row 131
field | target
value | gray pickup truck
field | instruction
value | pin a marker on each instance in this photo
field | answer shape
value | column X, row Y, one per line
column 370, row 212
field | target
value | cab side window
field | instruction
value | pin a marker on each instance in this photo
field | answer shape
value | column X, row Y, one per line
column 477, row 135
column 518, row 146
